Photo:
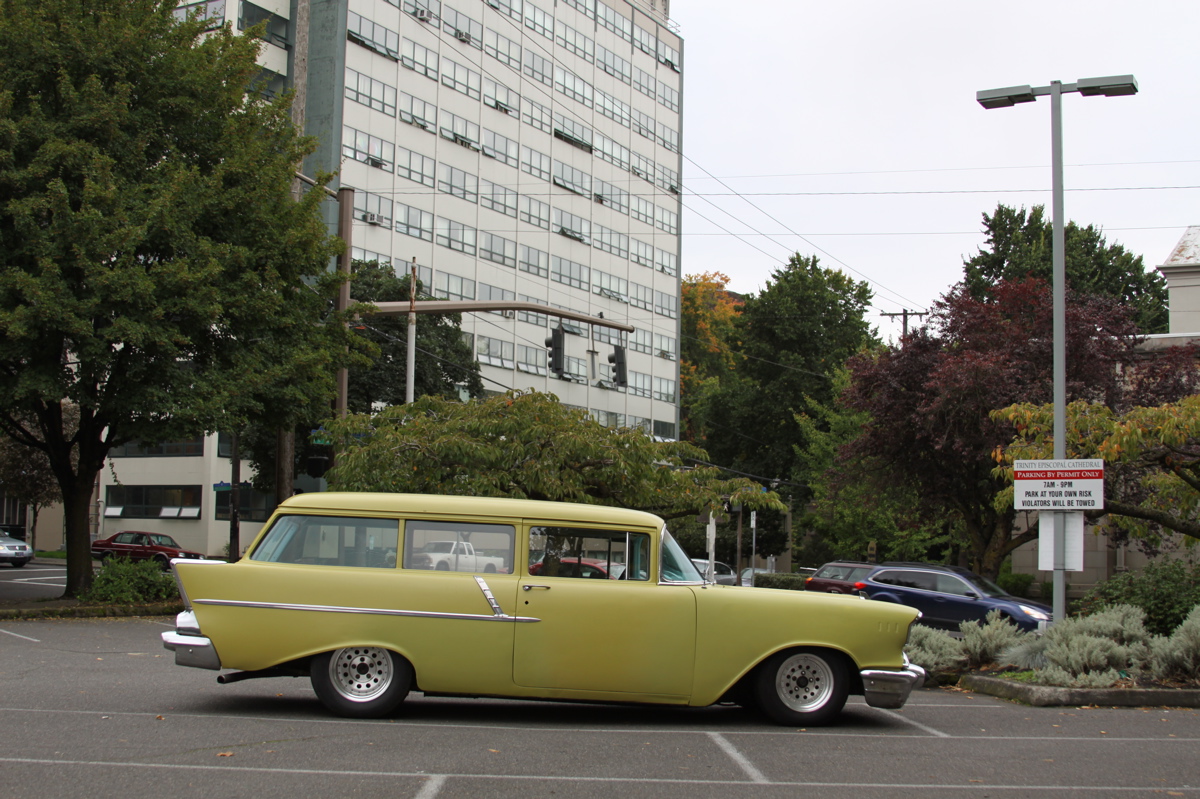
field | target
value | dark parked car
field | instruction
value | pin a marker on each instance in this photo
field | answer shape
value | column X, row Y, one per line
column 838, row 577
column 949, row 595
column 142, row 546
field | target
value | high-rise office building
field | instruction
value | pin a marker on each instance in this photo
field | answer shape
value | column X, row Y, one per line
column 517, row 150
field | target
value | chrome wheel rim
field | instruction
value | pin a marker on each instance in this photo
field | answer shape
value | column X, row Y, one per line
column 804, row 682
column 361, row 674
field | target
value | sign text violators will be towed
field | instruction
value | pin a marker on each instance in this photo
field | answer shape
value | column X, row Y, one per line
column 1070, row 485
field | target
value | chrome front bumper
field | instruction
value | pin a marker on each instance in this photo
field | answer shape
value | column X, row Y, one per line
column 890, row 688
column 190, row 647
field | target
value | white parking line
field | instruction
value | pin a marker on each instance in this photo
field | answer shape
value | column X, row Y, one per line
column 432, row 787
column 15, row 635
column 744, row 762
column 899, row 717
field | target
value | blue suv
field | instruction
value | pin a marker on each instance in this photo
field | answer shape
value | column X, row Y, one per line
column 948, row 595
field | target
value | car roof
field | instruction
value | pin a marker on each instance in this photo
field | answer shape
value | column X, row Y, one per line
column 459, row 506
column 933, row 567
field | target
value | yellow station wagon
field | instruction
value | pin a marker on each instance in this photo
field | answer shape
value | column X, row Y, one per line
column 374, row 595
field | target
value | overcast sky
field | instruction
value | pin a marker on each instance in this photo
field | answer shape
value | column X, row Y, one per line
column 850, row 131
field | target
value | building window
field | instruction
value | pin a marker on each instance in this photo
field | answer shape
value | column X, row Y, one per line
column 414, row 222
column 639, row 384
column 212, row 10
column 572, row 179
column 371, row 150
column 372, row 209
column 154, row 502
column 359, row 254
column 668, row 137
column 576, row 42
column 456, row 236
column 614, row 21
column 532, row 360
column 642, row 166
column 611, row 151
column 460, row 78
column 498, row 198
column 611, row 196
column 455, row 181
column 667, row 221
column 613, row 64
column 503, row 99
column 510, row 7
column 537, row 115
column 372, row 36
column 497, row 249
column 532, row 317
column 610, row 419
column 535, row 163
column 606, row 335
column 573, row 132
column 569, row 272
column 643, row 124
column 667, row 262
column 539, row 68
column 502, row 148
column 424, row 10
column 573, row 86
column 576, row 369
column 534, row 211
column 533, row 261
column 641, row 209
column 415, row 167
column 452, row 287
column 572, row 226
column 370, row 92
column 668, row 178
column 253, row 505
column 277, row 26
column 668, row 55
column 462, row 28
column 503, row 49
column 641, row 297
column 611, row 286
column 616, row 110
column 644, row 82
column 188, row 448
column 664, row 389
column 641, row 253
column 487, row 292
column 495, row 352
column 664, row 347
column 644, row 40
column 585, row 7
column 419, row 59
column 539, row 21
column 611, row 241
column 641, row 341
column 668, row 96
column 666, row 304
column 416, row 111
column 664, row 430
column 459, row 130
column 641, row 423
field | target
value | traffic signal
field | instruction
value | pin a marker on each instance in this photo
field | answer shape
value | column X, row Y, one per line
column 620, row 373
column 556, row 342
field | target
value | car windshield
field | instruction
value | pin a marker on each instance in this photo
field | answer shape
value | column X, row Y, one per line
column 675, row 567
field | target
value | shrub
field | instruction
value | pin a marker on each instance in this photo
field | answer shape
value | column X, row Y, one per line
column 933, row 650
column 1179, row 655
column 1026, row 654
column 1095, row 651
column 983, row 643
column 792, row 582
column 1015, row 584
column 121, row 581
column 1166, row 590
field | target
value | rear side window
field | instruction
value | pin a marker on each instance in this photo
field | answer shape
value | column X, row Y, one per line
column 330, row 541
column 459, row 546
column 926, row 581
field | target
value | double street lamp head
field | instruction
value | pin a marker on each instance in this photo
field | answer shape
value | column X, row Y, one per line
column 1113, row 86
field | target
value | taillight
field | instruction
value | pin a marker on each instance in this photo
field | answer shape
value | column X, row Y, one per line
column 860, row 586
column 807, row 580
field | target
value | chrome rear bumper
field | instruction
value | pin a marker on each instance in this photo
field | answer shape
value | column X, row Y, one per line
column 190, row 647
column 890, row 688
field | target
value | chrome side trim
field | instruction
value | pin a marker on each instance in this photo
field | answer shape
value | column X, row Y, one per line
column 491, row 599
column 422, row 614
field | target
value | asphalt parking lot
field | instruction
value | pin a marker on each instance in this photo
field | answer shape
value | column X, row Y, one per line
column 43, row 578
column 99, row 703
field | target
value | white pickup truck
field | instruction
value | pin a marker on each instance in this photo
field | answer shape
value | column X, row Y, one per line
column 456, row 556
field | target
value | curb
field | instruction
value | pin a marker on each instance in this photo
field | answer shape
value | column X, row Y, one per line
column 91, row 611
column 1051, row 696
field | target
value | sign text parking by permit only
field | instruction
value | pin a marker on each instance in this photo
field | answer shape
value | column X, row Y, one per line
column 1070, row 485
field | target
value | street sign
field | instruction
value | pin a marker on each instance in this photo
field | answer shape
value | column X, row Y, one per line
column 1072, row 485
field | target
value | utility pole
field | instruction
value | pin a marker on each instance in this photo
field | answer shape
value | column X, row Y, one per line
column 905, row 313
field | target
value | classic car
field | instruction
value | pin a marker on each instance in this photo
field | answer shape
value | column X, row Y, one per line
column 327, row 591
column 136, row 545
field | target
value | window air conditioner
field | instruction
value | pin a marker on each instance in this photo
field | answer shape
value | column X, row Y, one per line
column 509, row 314
column 375, row 162
column 463, row 36
column 372, row 219
column 421, row 13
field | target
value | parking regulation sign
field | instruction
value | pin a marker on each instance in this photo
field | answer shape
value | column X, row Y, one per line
column 1074, row 485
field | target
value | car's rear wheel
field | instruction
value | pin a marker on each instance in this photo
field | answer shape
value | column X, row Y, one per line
column 362, row 682
column 162, row 561
column 803, row 687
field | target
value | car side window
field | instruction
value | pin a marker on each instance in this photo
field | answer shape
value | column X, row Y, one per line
column 124, row 538
column 459, row 546
column 949, row 584
column 588, row 553
column 905, row 579
column 330, row 541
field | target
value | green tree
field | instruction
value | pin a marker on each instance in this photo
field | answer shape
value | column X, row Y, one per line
column 1019, row 246
column 26, row 478
column 793, row 336
column 707, row 352
column 158, row 275
column 525, row 445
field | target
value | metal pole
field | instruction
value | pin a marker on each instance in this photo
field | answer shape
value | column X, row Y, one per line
column 345, row 198
column 1060, row 343
column 410, row 362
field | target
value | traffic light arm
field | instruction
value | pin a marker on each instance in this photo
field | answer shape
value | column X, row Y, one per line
column 470, row 306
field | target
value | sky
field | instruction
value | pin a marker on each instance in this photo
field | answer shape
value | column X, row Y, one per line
column 850, row 130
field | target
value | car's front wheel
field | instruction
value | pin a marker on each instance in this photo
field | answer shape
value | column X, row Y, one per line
column 803, row 687
column 361, row 682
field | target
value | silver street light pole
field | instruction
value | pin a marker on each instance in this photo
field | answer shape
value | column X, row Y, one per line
column 1114, row 86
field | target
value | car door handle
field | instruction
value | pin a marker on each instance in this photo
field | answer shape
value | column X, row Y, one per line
column 531, row 587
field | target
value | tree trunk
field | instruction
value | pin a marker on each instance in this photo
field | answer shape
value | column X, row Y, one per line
column 77, row 502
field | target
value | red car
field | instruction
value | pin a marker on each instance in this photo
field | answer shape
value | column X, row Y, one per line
column 586, row 567
column 142, row 546
column 838, row 577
